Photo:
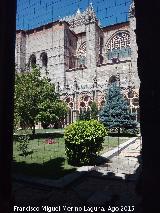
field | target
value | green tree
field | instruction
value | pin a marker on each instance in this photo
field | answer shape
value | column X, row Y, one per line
column 36, row 100
column 116, row 112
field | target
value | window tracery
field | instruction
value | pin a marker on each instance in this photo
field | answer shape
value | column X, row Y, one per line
column 81, row 55
column 119, row 46
column 112, row 79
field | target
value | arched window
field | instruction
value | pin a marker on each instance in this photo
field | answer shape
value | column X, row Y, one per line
column 82, row 104
column 81, row 55
column 112, row 79
column 118, row 46
column 44, row 59
column 32, row 61
column 68, row 99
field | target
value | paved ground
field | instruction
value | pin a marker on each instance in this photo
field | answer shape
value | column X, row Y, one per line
column 112, row 183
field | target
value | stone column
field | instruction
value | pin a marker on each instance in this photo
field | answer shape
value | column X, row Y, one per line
column 134, row 47
column 92, row 47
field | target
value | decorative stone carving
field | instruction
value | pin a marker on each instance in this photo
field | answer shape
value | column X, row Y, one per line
column 88, row 16
column 119, row 45
column 132, row 10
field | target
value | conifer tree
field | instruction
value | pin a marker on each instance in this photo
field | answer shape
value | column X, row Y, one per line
column 116, row 112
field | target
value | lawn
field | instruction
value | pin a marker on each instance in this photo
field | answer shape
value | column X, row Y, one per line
column 49, row 160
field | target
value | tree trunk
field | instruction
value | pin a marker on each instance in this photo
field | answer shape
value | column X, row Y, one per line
column 33, row 130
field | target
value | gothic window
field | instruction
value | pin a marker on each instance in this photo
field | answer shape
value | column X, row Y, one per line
column 44, row 59
column 68, row 99
column 32, row 61
column 81, row 55
column 82, row 104
column 118, row 46
column 112, row 79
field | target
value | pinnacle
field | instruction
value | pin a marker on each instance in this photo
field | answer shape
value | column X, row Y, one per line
column 78, row 11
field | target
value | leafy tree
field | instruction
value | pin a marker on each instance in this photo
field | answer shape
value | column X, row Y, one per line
column 116, row 113
column 36, row 100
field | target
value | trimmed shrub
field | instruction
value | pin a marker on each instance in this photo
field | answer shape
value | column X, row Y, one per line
column 83, row 142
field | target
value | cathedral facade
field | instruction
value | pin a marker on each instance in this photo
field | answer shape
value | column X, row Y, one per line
column 82, row 58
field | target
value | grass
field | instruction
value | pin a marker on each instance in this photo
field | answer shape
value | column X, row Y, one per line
column 44, row 160
column 49, row 160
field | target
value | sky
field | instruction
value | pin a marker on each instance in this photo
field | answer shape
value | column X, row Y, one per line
column 34, row 13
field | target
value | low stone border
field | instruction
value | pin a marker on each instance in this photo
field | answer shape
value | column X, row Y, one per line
column 70, row 178
column 110, row 154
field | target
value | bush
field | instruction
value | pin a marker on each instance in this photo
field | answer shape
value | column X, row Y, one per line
column 83, row 142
